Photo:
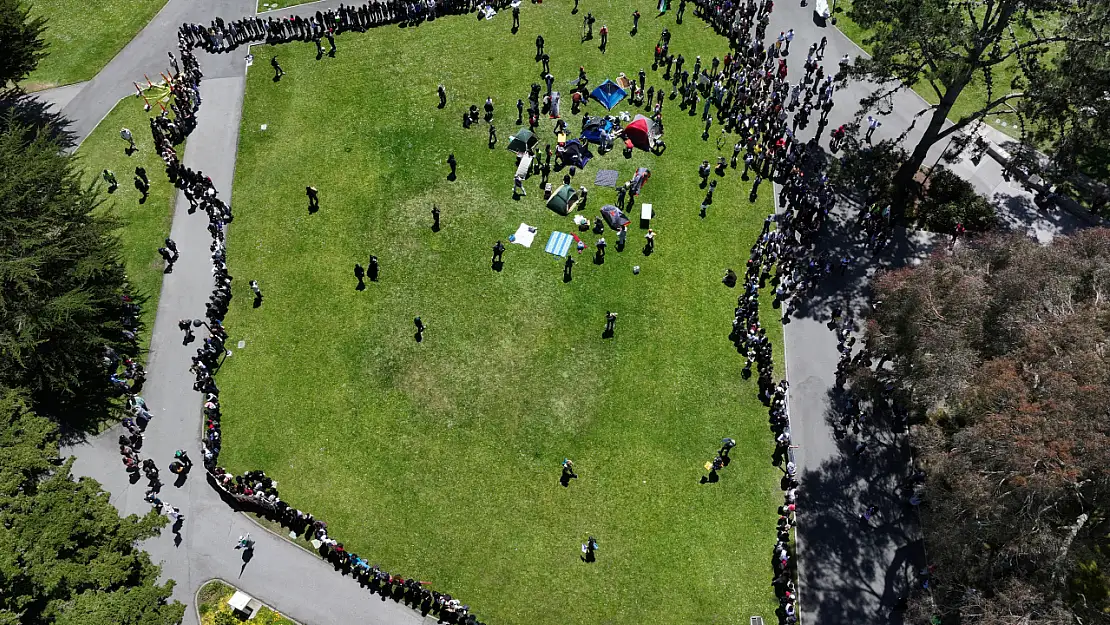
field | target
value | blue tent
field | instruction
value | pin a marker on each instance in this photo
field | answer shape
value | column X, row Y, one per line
column 608, row 93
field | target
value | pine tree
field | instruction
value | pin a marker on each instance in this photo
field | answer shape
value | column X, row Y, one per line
column 61, row 281
column 66, row 557
column 21, row 43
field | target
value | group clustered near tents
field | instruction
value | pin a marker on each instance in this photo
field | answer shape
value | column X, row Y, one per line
column 604, row 132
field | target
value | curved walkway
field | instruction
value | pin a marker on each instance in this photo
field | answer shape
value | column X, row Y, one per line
column 280, row 574
column 855, row 578
column 850, row 574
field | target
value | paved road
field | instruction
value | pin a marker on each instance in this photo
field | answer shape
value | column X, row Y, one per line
column 146, row 55
column 848, row 575
column 851, row 574
column 280, row 574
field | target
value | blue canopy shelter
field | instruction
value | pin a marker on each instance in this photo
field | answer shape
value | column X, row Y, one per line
column 608, row 93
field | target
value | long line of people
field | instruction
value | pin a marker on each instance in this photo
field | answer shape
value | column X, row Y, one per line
column 255, row 487
column 750, row 95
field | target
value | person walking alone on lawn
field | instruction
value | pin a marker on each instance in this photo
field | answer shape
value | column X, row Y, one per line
column 110, row 178
column 610, row 322
column 451, row 162
column 435, row 218
column 539, row 47
column 604, row 32
column 278, row 72
column 498, row 251
column 372, row 269
column 313, row 199
column 125, row 134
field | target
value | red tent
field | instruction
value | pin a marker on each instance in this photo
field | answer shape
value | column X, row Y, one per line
column 638, row 133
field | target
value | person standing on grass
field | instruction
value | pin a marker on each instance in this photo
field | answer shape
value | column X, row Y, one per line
column 372, row 269
column 622, row 236
column 451, row 162
column 278, row 72
column 442, row 96
column 257, row 290
column 313, row 199
column 516, row 18
column 635, row 22
column 125, row 134
column 359, row 275
column 539, row 47
column 141, row 173
column 419, row 323
column 498, row 251
column 604, row 32
column 110, row 178
column 590, row 549
column 726, row 446
column 610, row 322
column 435, row 218
column 650, row 246
column 568, row 470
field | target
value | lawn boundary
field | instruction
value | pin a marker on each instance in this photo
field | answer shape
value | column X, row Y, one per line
column 254, row 491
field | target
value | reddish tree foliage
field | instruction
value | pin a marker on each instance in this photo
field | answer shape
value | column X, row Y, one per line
column 1004, row 348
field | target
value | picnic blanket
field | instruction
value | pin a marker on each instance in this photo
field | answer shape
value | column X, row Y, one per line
column 559, row 243
column 607, row 178
column 524, row 235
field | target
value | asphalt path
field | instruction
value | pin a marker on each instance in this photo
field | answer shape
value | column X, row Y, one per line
column 848, row 573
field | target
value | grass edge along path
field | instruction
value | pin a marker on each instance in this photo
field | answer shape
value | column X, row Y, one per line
column 142, row 227
column 212, row 598
column 380, row 161
column 82, row 37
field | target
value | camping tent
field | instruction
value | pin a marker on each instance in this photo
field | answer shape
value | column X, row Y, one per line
column 522, row 141
column 563, row 200
column 639, row 133
column 574, row 153
column 608, row 93
column 614, row 217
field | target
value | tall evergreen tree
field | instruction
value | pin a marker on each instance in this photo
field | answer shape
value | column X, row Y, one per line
column 61, row 281
column 66, row 557
column 21, row 42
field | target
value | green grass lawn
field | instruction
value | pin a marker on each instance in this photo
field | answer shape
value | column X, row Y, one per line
column 441, row 459
column 143, row 226
column 84, row 36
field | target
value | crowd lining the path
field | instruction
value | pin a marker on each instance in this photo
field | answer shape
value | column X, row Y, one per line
column 747, row 92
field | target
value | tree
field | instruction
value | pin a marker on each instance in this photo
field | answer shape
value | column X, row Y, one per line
column 946, row 44
column 66, row 557
column 1004, row 349
column 21, row 43
column 62, row 285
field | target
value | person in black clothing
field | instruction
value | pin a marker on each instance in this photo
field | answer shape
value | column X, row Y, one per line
column 610, row 321
column 435, row 218
column 539, row 46
column 359, row 275
column 372, row 269
column 278, row 72
column 498, row 250
column 451, row 162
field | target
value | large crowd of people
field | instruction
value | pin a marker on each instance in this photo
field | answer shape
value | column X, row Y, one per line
column 747, row 91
